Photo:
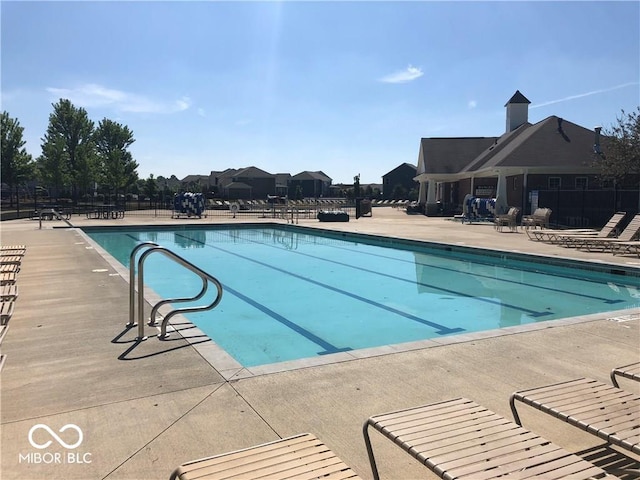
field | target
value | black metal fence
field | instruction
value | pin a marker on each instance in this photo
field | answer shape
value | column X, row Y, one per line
column 214, row 208
column 588, row 208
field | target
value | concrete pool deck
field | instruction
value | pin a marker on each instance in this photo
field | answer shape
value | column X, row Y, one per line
column 145, row 408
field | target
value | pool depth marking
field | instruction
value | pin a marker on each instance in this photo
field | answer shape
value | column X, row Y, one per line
column 440, row 329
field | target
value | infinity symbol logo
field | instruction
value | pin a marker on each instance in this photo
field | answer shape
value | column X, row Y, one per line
column 55, row 436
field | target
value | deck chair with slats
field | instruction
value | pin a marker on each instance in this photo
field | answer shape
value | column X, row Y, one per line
column 629, row 233
column 632, row 372
column 459, row 438
column 6, row 310
column 603, row 410
column 299, row 457
column 7, row 278
column 10, row 259
column 559, row 236
column 9, row 292
column 9, row 268
column 13, row 250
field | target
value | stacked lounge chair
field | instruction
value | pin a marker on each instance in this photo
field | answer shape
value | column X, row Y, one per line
column 10, row 261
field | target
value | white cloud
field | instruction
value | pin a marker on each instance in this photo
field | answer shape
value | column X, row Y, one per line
column 201, row 112
column 472, row 104
column 403, row 76
column 93, row 95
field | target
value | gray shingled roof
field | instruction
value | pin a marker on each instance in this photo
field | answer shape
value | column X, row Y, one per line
column 402, row 165
column 306, row 175
column 450, row 155
column 253, row 172
column 540, row 145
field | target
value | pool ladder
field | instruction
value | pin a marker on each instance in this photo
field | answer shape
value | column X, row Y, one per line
column 204, row 276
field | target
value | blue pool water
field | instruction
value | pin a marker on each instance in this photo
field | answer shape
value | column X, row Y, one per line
column 290, row 293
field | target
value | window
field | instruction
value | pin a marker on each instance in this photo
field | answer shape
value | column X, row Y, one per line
column 555, row 182
column 581, row 182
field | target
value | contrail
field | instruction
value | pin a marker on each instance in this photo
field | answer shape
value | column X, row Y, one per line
column 594, row 92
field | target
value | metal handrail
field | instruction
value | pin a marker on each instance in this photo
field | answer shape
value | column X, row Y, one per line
column 52, row 212
column 204, row 276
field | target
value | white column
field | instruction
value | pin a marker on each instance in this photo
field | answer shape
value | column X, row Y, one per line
column 432, row 206
column 422, row 194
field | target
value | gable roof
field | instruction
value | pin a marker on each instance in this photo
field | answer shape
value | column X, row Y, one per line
column 517, row 98
column 552, row 143
column 307, row 175
column 194, row 178
column 402, row 166
column 252, row 172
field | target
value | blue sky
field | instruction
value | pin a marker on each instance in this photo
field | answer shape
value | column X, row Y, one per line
column 343, row 87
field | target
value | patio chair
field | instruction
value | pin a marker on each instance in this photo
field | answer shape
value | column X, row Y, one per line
column 631, row 372
column 507, row 220
column 555, row 236
column 629, row 233
column 608, row 412
column 539, row 218
column 302, row 456
column 459, row 438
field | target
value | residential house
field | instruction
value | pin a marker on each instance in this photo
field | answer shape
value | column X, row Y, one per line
column 309, row 184
column 194, row 183
column 282, row 184
column 397, row 183
column 246, row 183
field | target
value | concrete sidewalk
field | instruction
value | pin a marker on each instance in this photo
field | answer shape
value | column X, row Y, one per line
column 145, row 408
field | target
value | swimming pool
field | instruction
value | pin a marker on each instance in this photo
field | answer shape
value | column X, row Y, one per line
column 294, row 292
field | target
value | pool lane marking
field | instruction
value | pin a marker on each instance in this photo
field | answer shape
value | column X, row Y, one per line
column 439, row 267
column 532, row 313
column 328, row 347
column 440, row 329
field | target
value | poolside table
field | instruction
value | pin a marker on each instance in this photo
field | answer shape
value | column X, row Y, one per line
column 105, row 211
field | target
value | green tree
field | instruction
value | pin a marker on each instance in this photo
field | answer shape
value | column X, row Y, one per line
column 621, row 147
column 16, row 164
column 150, row 188
column 115, row 164
column 69, row 139
column 51, row 166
